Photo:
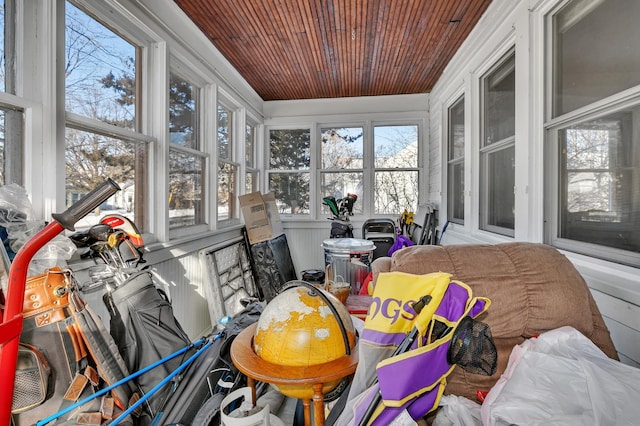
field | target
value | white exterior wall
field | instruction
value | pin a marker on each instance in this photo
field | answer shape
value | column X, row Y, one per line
column 509, row 23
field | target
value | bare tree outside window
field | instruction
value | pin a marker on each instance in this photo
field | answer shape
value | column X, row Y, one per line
column 396, row 169
column 101, row 87
column 600, row 201
column 100, row 71
column 342, row 164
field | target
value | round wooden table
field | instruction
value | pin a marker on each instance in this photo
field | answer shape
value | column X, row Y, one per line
column 255, row 368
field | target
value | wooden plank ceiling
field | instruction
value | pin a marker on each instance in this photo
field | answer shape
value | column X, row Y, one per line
column 304, row 49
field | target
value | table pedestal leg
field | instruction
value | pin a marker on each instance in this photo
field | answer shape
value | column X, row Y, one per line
column 318, row 405
column 306, row 405
column 252, row 384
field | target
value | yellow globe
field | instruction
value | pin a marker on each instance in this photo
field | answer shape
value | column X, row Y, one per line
column 298, row 328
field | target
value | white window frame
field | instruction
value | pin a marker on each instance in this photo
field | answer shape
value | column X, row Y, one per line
column 622, row 100
column 313, row 179
column 143, row 38
column 252, row 168
column 319, row 171
column 451, row 162
column 370, row 158
column 486, row 150
column 236, row 154
column 181, row 67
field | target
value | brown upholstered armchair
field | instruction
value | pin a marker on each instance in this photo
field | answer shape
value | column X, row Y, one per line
column 533, row 288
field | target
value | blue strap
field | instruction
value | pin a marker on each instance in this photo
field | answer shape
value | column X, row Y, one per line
column 160, row 385
column 118, row 383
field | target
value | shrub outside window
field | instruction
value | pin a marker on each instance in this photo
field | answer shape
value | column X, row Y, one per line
column 289, row 175
column 187, row 164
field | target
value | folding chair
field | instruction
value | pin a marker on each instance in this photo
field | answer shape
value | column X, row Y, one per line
column 423, row 230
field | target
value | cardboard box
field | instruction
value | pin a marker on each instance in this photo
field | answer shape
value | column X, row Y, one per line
column 261, row 216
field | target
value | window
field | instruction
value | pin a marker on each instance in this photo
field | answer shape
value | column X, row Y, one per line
column 596, row 53
column 396, row 169
column 594, row 151
column 497, row 148
column 227, row 168
column 289, row 169
column 600, row 198
column 95, row 156
column 100, row 71
column 342, row 164
column 187, row 163
column 101, row 88
column 455, row 157
column 251, row 181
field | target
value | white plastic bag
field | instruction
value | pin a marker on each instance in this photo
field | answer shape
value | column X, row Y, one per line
column 562, row 378
column 457, row 411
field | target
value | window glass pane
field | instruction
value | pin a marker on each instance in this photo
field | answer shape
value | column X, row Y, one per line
column 251, row 182
column 100, row 70
column 227, row 176
column 289, row 149
column 395, row 146
column 183, row 116
column 11, row 143
column 456, row 129
column 224, row 133
column 3, row 48
column 395, row 191
column 600, row 190
column 186, row 189
column 249, row 148
column 455, row 181
column 7, row 47
column 499, row 96
column 291, row 191
column 597, row 53
column 342, row 148
column 90, row 158
column 500, row 199
column 456, row 192
column 339, row 184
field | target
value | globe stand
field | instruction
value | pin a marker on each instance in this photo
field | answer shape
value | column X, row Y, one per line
column 313, row 376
